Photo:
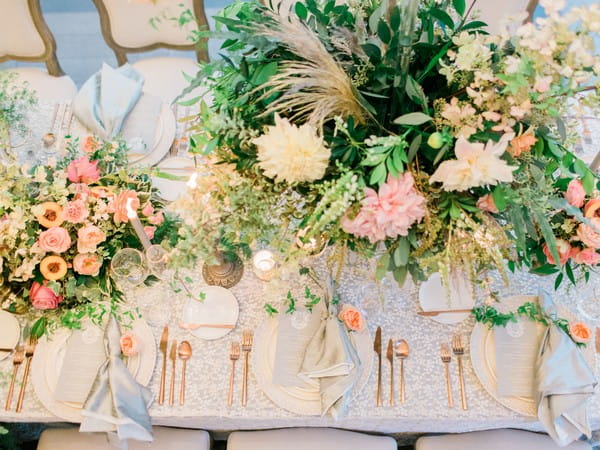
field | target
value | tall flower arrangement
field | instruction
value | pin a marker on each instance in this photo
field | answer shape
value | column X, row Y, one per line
column 462, row 162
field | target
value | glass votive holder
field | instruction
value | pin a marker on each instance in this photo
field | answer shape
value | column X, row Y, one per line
column 264, row 265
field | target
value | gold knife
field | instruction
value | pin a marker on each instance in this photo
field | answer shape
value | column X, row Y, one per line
column 598, row 340
column 164, row 342
column 173, row 357
column 390, row 356
column 377, row 348
column 442, row 311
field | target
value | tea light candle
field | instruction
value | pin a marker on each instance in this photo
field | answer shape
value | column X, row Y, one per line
column 264, row 265
column 137, row 225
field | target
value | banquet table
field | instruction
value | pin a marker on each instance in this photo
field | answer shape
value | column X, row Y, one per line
column 395, row 310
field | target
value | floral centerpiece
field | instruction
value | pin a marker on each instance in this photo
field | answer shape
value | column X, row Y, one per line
column 402, row 131
column 60, row 225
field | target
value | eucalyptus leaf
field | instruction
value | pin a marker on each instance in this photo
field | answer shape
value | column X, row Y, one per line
column 382, row 266
column 415, row 118
column 547, row 233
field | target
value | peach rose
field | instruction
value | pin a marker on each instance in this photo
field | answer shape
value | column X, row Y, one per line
column 352, row 318
column 575, row 194
column 55, row 239
column 75, row 211
column 486, row 203
column 157, row 218
column 587, row 256
column 87, row 264
column 88, row 238
column 82, row 170
column 520, row 144
column 592, row 208
column 42, row 297
column 588, row 235
column 150, row 231
column 130, row 344
column 564, row 252
column 90, row 144
column 580, row 332
column 118, row 205
column 148, row 210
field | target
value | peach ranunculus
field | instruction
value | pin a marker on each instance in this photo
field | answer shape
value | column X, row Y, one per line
column 87, row 264
column 53, row 267
column 580, row 332
column 42, row 297
column 130, row 344
column 587, row 256
column 575, row 194
column 55, row 239
column 90, row 144
column 88, row 238
column 157, row 218
column 150, row 230
column 588, row 235
column 118, row 205
column 75, row 211
column 486, row 203
column 564, row 252
column 521, row 144
column 352, row 318
column 82, row 170
column 48, row 214
column 592, row 208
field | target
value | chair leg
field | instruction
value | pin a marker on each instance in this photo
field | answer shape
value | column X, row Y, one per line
column 121, row 58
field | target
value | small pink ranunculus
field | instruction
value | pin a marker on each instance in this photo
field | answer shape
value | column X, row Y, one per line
column 588, row 235
column 564, row 252
column 130, row 344
column 42, row 297
column 352, row 318
column 82, row 170
column 54, row 239
column 575, row 194
column 118, row 205
column 587, row 256
column 87, row 264
column 150, row 230
column 486, row 203
column 88, row 238
column 148, row 209
column 157, row 218
column 75, row 211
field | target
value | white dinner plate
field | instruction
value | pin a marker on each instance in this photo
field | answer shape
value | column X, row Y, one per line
column 48, row 358
column 483, row 356
column 165, row 134
column 219, row 306
column 170, row 190
column 433, row 296
column 298, row 400
column 9, row 332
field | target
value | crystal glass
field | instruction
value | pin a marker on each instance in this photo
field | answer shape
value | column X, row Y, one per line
column 157, row 260
column 128, row 267
column 154, row 303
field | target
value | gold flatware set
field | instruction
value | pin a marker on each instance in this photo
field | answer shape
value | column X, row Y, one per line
column 21, row 354
column 235, row 351
column 446, row 351
column 182, row 352
column 399, row 350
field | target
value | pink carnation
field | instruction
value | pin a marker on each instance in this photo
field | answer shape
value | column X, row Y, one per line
column 387, row 213
column 575, row 194
column 75, row 211
column 82, row 170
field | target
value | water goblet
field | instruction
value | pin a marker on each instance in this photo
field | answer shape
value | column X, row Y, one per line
column 128, row 267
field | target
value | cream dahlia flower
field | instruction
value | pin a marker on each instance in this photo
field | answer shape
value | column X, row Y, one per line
column 290, row 153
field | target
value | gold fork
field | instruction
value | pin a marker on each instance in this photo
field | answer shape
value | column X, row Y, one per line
column 234, row 355
column 29, row 350
column 446, row 358
column 459, row 350
column 246, row 347
column 18, row 358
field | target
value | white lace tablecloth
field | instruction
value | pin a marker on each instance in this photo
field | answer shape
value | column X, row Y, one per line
column 425, row 409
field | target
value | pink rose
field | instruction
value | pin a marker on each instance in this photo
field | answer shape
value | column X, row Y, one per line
column 54, row 239
column 88, row 238
column 575, row 194
column 148, row 210
column 75, row 211
column 43, row 297
column 82, row 170
column 352, row 318
column 157, row 218
column 118, row 205
column 130, row 344
column 87, row 264
column 564, row 251
column 149, row 231
column 486, row 203
column 587, row 256
column 588, row 235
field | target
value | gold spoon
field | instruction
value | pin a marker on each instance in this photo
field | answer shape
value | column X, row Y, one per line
column 184, row 352
column 402, row 351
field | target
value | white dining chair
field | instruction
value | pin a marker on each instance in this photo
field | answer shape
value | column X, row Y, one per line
column 493, row 13
column 308, row 439
column 164, row 439
column 126, row 27
column 25, row 36
column 494, row 440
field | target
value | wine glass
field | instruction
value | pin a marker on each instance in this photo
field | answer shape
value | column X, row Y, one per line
column 128, row 267
column 157, row 260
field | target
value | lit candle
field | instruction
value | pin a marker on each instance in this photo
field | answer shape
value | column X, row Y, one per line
column 137, row 225
column 264, row 265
